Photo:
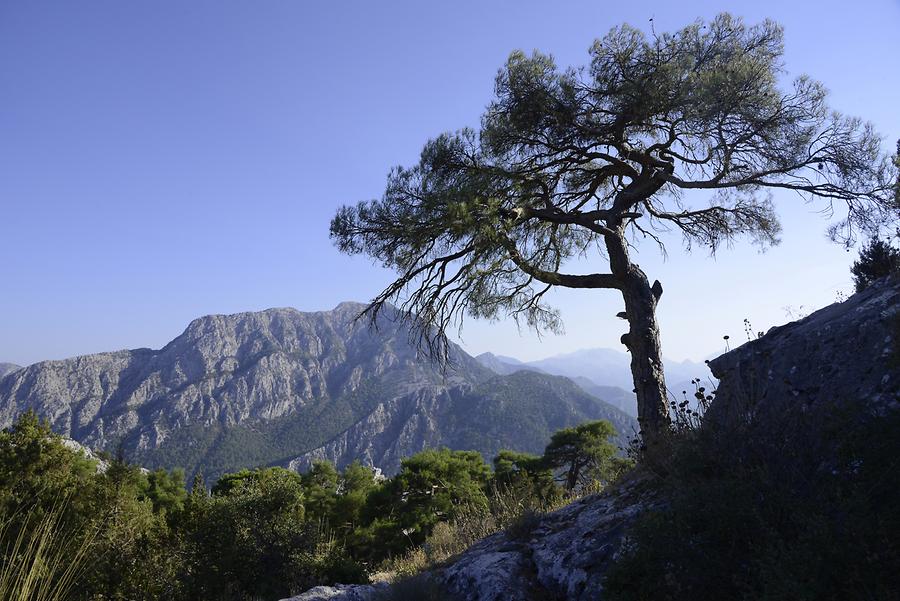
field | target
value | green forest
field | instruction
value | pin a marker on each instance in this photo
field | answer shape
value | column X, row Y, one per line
column 72, row 530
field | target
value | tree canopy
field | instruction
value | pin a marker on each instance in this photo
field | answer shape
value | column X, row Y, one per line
column 877, row 259
column 584, row 454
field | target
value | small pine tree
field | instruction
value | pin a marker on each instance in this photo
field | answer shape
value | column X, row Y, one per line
column 877, row 259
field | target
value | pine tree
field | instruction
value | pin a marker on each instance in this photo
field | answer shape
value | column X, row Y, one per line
column 877, row 259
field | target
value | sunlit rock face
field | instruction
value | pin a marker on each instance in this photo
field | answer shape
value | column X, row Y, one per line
column 224, row 369
column 562, row 556
column 283, row 387
column 341, row 592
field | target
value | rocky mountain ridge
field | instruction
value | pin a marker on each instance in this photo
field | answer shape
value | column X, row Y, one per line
column 281, row 387
column 602, row 372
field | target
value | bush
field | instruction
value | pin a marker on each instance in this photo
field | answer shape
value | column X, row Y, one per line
column 419, row 587
column 772, row 511
column 877, row 259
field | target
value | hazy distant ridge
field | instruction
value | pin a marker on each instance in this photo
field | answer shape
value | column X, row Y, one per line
column 602, row 372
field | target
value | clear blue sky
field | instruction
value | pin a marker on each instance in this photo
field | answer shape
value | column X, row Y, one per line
column 169, row 159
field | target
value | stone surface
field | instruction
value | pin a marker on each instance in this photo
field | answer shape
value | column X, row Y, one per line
column 73, row 445
column 340, row 592
column 845, row 352
column 564, row 556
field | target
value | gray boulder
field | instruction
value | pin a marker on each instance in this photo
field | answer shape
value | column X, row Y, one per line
column 341, row 592
column 563, row 556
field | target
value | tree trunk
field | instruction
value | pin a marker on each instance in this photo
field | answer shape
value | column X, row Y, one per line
column 642, row 339
column 572, row 476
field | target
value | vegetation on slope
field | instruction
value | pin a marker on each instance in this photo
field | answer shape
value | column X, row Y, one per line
column 265, row 533
column 519, row 411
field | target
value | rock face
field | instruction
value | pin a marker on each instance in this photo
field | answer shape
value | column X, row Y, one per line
column 562, row 557
column 8, row 368
column 340, row 592
column 281, row 387
column 73, row 445
column 848, row 351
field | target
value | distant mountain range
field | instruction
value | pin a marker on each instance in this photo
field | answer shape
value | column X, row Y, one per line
column 604, row 373
column 282, row 387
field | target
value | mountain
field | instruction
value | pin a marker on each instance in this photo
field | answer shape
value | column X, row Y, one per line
column 600, row 365
column 518, row 411
column 8, row 368
column 277, row 386
column 617, row 397
column 604, row 373
column 504, row 365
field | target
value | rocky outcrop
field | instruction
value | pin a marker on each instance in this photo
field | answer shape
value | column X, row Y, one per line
column 341, row 592
column 563, row 556
column 73, row 445
column 282, row 387
column 845, row 352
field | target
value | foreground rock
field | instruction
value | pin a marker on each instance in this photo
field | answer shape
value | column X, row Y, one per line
column 846, row 352
column 563, row 556
column 341, row 592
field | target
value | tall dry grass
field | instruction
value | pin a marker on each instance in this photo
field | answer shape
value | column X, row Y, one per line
column 42, row 557
column 513, row 509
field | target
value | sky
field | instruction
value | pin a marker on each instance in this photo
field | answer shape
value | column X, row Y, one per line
column 165, row 160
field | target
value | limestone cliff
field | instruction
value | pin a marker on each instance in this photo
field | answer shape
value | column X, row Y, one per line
column 282, row 387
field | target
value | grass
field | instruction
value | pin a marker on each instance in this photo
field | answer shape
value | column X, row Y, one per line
column 40, row 560
column 514, row 510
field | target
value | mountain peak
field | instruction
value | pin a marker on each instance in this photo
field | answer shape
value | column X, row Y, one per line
column 261, row 388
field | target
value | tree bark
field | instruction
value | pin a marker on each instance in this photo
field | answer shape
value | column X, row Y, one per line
column 572, row 476
column 642, row 339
